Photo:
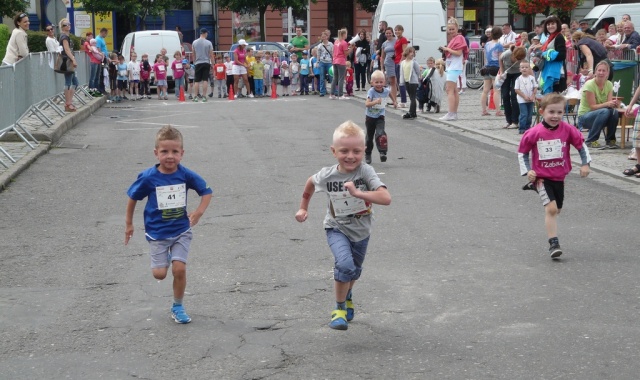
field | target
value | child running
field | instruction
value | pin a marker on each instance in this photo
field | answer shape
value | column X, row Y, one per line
column 167, row 226
column 352, row 187
column 374, row 119
column 549, row 143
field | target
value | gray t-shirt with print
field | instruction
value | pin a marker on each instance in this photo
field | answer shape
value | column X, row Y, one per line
column 329, row 180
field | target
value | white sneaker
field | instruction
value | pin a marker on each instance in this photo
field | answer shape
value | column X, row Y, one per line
column 251, row 95
column 343, row 97
column 332, row 97
column 449, row 116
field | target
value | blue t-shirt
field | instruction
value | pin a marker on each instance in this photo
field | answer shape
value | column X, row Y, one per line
column 304, row 67
column 166, row 223
column 314, row 65
column 377, row 110
column 102, row 45
column 122, row 71
column 493, row 50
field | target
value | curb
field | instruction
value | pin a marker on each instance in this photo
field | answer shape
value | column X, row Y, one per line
column 48, row 138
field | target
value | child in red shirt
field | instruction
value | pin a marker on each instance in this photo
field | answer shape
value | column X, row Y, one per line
column 220, row 75
column 349, row 79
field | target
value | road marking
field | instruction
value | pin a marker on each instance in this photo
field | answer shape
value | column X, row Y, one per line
column 154, row 128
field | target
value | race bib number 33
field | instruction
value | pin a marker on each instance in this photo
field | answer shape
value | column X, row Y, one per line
column 172, row 196
column 549, row 149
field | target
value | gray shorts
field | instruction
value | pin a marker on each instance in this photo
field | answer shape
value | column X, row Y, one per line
column 163, row 252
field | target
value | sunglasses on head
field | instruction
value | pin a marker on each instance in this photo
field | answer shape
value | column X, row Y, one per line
column 21, row 15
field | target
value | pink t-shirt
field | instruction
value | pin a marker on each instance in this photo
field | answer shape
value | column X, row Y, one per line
column 549, row 150
column 178, row 69
column 340, row 49
column 160, row 70
column 240, row 56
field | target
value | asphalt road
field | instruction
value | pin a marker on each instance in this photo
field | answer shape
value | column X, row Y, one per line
column 457, row 283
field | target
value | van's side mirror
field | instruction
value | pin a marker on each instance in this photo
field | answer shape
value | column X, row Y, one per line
column 443, row 29
column 416, row 47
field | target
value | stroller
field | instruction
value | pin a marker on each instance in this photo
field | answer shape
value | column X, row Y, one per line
column 425, row 94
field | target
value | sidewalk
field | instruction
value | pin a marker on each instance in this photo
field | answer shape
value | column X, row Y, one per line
column 47, row 136
column 609, row 162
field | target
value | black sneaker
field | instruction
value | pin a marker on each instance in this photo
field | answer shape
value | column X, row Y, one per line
column 211, row 94
column 530, row 186
column 407, row 116
column 555, row 251
column 367, row 158
column 383, row 157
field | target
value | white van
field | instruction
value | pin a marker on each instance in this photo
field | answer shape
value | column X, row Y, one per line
column 424, row 23
column 602, row 16
column 151, row 42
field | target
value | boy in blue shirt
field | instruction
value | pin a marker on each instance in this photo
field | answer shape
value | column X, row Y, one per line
column 374, row 120
column 166, row 222
column 304, row 74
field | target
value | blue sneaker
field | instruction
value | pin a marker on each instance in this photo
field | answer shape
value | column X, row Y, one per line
column 339, row 320
column 179, row 315
column 350, row 310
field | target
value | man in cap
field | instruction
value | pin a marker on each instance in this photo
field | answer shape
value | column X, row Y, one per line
column 584, row 26
column 203, row 50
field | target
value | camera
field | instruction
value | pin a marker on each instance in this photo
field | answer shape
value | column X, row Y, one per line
column 441, row 49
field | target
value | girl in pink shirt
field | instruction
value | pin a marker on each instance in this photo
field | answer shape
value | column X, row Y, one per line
column 549, row 143
column 340, row 51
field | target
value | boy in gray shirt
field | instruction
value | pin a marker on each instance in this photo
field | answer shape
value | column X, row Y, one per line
column 352, row 187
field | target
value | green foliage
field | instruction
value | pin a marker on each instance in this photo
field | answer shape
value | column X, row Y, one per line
column 251, row 6
column 37, row 41
column 10, row 8
column 132, row 8
column 4, row 40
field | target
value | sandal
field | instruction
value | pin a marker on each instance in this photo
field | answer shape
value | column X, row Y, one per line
column 485, row 113
column 635, row 171
column 499, row 113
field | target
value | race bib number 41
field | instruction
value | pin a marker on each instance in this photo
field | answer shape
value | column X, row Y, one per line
column 172, row 196
column 345, row 204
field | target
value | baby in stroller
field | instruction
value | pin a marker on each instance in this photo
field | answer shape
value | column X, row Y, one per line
column 431, row 89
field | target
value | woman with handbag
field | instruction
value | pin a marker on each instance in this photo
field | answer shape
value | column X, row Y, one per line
column 492, row 51
column 67, row 65
column 17, row 47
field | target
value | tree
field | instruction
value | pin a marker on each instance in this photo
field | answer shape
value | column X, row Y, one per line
column 251, row 6
column 132, row 8
column 10, row 8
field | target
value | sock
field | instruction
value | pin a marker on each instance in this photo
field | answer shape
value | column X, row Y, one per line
column 177, row 301
column 349, row 295
column 341, row 305
column 554, row 240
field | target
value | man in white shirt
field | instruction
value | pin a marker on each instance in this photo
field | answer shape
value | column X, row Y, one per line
column 508, row 38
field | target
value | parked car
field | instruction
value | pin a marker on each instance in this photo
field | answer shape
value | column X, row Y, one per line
column 264, row 46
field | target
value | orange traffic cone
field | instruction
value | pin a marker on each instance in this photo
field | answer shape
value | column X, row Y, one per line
column 231, row 97
column 492, row 104
column 274, row 90
column 181, row 98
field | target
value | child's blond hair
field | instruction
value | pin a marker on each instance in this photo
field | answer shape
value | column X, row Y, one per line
column 168, row 133
column 348, row 129
column 552, row 99
column 377, row 75
column 407, row 51
column 440, row 66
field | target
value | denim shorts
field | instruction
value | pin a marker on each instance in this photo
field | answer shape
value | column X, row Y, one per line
column 348, row 256
column 452, row 75
column 70, row 79
column 164, row 251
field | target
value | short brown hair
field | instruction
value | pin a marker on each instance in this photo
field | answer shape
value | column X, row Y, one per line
column 496, row 32
column 168, row 133
column 553, row 98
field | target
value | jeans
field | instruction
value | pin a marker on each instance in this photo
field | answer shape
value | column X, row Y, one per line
column 348, row 256
column 258, row 85
column 361, row 74
column 510, row 99
column 304, row 85
column 596, row 120
column 179, row 83
column 324, row 70
column 403, row 91
column 526, row 113
column 70, row 79
column 412, row 88
column 337, row 84
column 94, row 78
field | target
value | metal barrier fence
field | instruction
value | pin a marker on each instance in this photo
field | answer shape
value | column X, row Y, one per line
column 30, row 86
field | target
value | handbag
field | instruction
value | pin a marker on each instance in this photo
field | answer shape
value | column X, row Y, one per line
column 499, row 81
column 63, row 65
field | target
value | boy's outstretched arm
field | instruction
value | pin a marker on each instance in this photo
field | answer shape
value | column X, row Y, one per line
column 380, row 196
column 309, row 187
column 194, row 217
column 128, row 220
